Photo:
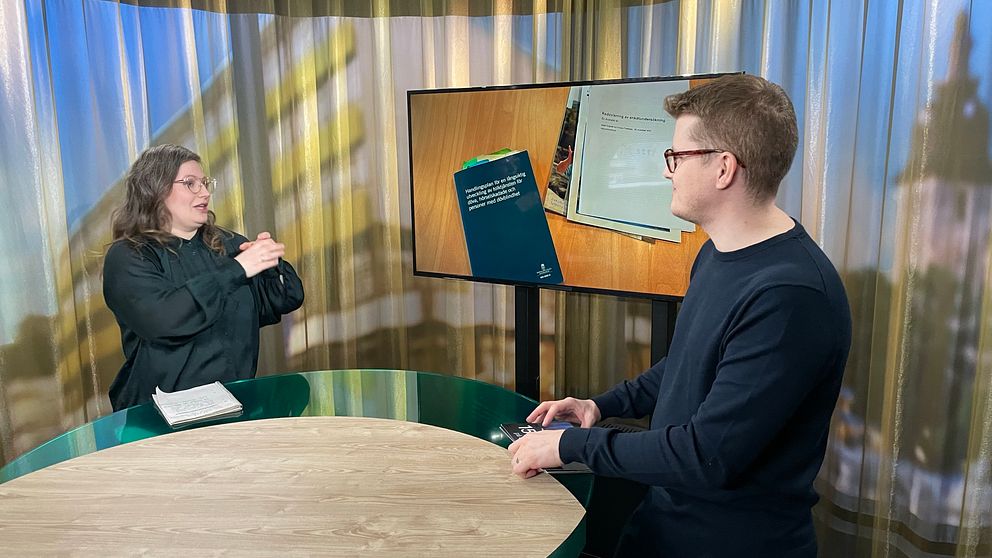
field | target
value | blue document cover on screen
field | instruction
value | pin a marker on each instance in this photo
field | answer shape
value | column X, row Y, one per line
column 506, row 230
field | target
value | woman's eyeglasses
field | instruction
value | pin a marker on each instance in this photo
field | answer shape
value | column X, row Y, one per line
column 195, row 184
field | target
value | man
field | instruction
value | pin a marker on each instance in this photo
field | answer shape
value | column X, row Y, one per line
column 741, row 406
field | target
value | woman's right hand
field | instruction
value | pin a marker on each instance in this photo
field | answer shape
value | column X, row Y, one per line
column 261, row 254
column 583, row 411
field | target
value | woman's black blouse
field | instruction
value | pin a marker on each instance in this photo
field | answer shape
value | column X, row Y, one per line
column 188, row 315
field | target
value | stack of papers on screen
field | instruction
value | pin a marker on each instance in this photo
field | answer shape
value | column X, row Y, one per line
column 612, row 175
column 211, row 401
column 560, row 175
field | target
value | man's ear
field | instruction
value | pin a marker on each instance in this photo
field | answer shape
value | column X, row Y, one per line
column 728, row 169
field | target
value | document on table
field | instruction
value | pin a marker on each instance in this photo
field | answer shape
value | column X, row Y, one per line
column 211, row 401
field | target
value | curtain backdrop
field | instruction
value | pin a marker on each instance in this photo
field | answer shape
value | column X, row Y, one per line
column 299, row 109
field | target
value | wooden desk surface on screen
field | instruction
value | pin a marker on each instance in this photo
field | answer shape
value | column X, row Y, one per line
column 450, row 127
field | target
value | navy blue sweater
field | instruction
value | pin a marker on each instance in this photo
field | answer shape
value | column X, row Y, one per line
column 740, row 408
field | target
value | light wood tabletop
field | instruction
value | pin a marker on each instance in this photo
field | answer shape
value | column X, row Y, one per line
column 341, row 486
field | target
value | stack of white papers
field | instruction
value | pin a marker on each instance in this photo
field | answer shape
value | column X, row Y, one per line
column 211, row 401
column 612, row 176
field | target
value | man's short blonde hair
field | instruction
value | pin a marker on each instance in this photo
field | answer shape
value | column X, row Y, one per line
column 748, row 116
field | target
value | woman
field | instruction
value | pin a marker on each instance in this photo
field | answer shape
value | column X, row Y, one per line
column 189, row 296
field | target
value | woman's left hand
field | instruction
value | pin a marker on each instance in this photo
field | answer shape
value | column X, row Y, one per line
column 260, row 254
column 248, row 244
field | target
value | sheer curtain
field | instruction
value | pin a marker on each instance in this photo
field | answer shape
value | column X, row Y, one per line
column 299, row 110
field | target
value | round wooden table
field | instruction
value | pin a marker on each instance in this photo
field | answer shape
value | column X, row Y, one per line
column 326, row 485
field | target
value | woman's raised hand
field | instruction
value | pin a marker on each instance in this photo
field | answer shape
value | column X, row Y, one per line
column 260, row 254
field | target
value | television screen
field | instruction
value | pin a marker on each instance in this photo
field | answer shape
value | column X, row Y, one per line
column 557, row 185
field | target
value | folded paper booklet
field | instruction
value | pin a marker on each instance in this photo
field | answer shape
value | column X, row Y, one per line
column 211, row 401
column 506, row 231
column 516, row 430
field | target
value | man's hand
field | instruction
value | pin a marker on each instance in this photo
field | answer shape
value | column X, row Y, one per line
column 583, row 411
column 535, row 451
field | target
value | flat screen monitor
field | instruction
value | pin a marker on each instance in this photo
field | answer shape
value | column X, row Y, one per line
column 556, row 185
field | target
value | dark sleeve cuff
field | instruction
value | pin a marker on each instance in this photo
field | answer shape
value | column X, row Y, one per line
column 609, row 404
column 572, row 444
column 231, row 275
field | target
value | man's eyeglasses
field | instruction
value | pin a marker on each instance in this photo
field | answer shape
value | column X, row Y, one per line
column 672, row 157
column 196, row 184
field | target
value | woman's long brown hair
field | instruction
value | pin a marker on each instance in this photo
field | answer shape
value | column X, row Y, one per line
column 143, row 216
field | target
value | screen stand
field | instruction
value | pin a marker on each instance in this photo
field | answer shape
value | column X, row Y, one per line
column 662, row 328
column 527, row 341
column 527, row 337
